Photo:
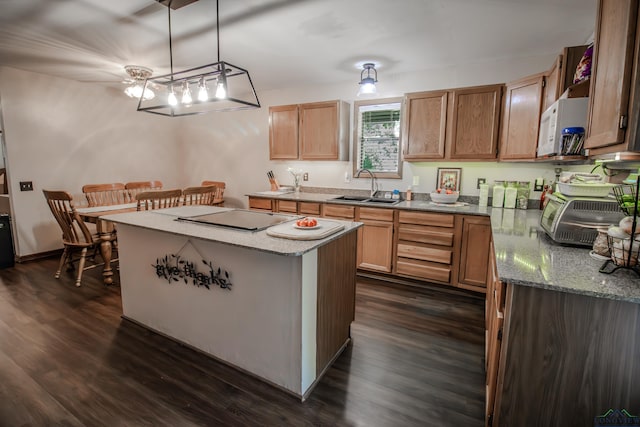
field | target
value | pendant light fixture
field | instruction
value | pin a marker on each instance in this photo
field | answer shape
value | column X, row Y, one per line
column 232, row 86
column 368, row 83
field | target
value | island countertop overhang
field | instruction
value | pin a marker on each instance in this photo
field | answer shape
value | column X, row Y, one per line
column 258, row 240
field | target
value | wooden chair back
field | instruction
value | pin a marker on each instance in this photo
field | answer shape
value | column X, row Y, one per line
column 203, row 195
column 136, row 187
column 158, row 199
column 74, row 231
column 105, row 194
column 218, row 198
column 4, row 188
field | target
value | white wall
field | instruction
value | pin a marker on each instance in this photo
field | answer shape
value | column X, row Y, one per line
column 61, row 134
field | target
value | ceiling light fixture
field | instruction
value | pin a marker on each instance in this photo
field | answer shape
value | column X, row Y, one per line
column 137, row 89
column 368, row 83
column 233, row 86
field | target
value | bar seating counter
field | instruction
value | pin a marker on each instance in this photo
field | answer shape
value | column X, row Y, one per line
column 278, row 309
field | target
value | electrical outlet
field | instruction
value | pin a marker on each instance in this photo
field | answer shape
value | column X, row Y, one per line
column 305, row 177
column 480, row 181
column 26, row 186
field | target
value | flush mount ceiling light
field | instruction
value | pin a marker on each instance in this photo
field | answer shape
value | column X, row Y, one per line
column 136, row 89
column 217, row 87
column 368, row 83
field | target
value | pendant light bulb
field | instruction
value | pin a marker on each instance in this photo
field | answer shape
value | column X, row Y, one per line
column 221, row 88
column 203, row 94
column 187, row 99
column 171, row 99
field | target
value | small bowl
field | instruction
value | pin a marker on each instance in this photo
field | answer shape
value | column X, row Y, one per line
column 445, row 198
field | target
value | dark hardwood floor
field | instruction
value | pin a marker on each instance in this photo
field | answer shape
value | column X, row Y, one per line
column 68, row 359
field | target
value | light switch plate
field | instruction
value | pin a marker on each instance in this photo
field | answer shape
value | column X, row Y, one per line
column 416, row 180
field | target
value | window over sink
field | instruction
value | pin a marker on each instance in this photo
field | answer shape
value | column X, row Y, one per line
column 376, row 141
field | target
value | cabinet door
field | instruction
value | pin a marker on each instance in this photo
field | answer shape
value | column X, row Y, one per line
column 257, row 203
column 521, row 118
column 319, row 131
column 474, row 122
column 375, row 245
column 611, row 72
column 552, row 84
column 424, row 125
column 283, row 132
column 474, row 253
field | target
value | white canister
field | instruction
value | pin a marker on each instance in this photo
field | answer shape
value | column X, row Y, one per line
column 498, row 196
column 484, row 195
column 510, row 197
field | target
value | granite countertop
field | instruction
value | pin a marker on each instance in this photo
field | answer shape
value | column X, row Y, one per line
column 164, row 220
column 525, row 255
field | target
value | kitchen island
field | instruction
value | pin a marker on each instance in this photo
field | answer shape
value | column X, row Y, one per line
column 276, row 308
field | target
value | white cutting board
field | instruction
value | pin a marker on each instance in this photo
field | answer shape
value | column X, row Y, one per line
column 288, row 231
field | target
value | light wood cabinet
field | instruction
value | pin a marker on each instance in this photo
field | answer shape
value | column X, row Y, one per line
column 313, row 131
column 286, row 206
column 309, row 208
column 260, row 204
column 613, row 98
column 424, row 125
column 552, row 86
column 494, row 329
column 474, row 123
column 456, row 124
column 375, row 239
column 419, row 256
column 283, row 132
column 474, row 254
column 338, row 211
column 521, row 118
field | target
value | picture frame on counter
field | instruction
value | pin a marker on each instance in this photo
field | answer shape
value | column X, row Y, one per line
column 449, row 178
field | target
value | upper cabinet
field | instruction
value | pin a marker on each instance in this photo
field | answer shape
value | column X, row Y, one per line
column 313, row 131
column 560, row 76
column 456, row 124
column 614, row 103
column 521, row 118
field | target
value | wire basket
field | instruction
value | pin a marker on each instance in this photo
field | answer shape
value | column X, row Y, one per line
column 626, row 197
column 623, row 252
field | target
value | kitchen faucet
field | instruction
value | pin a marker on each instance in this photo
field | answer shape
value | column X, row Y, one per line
column 374, row 184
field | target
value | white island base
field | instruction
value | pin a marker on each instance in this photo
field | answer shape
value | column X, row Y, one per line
column 284, row 319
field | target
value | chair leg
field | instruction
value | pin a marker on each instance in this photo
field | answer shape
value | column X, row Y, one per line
column 83, row 257
column 63, row 260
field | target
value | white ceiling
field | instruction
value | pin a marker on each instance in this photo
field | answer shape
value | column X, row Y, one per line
column 283, row 43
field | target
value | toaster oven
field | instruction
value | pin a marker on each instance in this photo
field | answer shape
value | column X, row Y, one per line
column 575, row 220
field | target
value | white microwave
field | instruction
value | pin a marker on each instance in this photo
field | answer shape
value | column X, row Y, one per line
column 564, row 113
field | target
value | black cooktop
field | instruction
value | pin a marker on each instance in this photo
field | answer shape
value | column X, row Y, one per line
column 240, row 219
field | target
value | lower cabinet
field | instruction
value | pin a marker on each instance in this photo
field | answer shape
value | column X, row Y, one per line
column 425, row 245
column 443, row 248
column 375, row 239
column 260, row 204
column 474, row 253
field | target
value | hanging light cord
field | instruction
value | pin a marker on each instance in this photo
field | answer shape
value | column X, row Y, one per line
column 170, row 47
column 218, row 29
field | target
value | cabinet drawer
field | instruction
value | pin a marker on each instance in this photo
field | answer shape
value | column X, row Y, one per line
column 376, row 214
column 427, row 218
column 309, row 208
column 442, row 256
column 424, row 270
column 257, row 203
column 338, row 211
column 287, row 206
column 433, row 235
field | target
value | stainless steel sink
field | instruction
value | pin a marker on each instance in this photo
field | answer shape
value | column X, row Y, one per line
column 352, row 198
column 360, row 199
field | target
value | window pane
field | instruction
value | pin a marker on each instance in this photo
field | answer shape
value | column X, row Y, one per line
column 378, row 137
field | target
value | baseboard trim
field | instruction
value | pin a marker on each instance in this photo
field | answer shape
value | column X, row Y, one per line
column 40, row 255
